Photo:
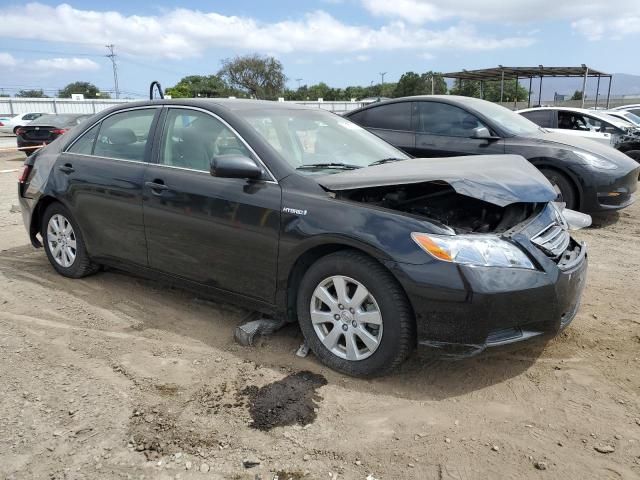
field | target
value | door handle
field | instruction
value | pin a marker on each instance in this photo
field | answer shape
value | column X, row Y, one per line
column 66, row 168
column 157, row 187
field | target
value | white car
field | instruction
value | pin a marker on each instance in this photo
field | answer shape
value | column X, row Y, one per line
column 633, row 108
column 625, row 115
column 18, row 121
column 592, row 124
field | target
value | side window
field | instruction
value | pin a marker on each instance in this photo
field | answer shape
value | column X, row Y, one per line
column 443, row 119
column 568, row 120
column 540, row 117
column 30, row 116
column 193, row 138
column 84, row 145
column 394, row 116
column 360, row 118
column 124, row 135
column 597, row 125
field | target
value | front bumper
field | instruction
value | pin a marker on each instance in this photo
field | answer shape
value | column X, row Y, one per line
column 608, row 191
column 465, row 309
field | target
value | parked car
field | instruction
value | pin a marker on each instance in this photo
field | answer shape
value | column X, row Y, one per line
column 625, row 115
column 592, row 124
column 633, row 108
column 17, row 121
column 300, row 214
column 588, row 176
column 46, row 129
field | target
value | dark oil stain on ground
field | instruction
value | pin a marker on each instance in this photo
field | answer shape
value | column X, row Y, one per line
column 285, row 402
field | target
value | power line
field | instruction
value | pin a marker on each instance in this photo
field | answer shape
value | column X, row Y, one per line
column 112, row 56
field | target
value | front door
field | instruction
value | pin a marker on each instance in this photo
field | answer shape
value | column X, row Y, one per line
column 104, row 169
column 444, row 130
column 220, row 232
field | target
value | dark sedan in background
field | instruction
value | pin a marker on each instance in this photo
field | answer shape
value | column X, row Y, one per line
column 46, row 129
column 302, row 215
column 588, row 176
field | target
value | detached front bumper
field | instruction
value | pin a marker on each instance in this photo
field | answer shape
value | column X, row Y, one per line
column 465, row 309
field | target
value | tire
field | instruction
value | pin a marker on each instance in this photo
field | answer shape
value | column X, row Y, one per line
column 564, row 187
column 394, row 334
column 635, row 154
column 57, row 218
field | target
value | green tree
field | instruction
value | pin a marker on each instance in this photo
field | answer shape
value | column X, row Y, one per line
column 259, row 76
column 466, row 88
column 491, row 91
column 31, row 94
column 410, row 83
column 199, row 86
column 439, row 84
column 87, row 89
column 577, row 95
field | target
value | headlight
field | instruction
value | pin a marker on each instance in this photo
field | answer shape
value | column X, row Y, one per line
column 596, row 162
column 480, row 250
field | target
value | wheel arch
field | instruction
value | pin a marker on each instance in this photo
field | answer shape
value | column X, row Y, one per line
column 549, row 164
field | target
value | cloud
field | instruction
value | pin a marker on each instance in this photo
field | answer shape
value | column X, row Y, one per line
column 592, row 18
column 355, row 59
column 47, row 65
column 182, row 32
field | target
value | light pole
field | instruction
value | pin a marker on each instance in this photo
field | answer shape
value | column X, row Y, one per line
column 299, row 80
column 382, row 74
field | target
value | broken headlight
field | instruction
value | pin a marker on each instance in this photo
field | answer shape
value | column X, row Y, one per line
column 480, row 250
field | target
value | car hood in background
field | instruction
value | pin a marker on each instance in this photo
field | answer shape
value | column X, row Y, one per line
column 586, row 144
column 497, row 179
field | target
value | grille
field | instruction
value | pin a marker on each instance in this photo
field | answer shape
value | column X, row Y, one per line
column 553, row 240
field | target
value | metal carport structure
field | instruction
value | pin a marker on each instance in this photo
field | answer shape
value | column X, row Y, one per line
column 501, row 74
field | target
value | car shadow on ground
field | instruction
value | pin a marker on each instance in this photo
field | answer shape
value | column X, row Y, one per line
column 602, row 220
column 152, row 305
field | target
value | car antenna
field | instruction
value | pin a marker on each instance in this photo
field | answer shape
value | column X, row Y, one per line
column 156, row 84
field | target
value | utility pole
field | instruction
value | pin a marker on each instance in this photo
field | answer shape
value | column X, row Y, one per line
column 112, row 56
column 382, row 74
column 299, row 80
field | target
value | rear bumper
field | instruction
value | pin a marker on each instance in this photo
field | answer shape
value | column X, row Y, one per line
column 482, row 307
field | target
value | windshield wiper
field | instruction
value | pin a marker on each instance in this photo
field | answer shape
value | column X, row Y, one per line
column 312, row 166
column 386, row 160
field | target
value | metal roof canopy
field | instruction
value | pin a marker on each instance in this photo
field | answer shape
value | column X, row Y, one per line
column 516, row 73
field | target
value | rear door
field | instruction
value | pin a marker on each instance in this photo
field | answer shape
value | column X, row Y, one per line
column 220, row 232
column 445, row 130
column 102, row 174
column 391, row 122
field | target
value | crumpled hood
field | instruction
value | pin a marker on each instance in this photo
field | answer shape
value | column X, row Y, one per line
column 497, row 179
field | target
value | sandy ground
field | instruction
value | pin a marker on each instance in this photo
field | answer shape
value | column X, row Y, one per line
column 114, row 376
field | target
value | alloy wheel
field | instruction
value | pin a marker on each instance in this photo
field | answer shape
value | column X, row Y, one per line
column 61, row 240
column 346, row 318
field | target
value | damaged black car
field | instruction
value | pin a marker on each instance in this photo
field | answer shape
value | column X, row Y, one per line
column 307, row 217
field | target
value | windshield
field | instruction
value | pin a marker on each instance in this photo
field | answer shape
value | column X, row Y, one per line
column 632, row 117
column 508, row 120
column 318, row 140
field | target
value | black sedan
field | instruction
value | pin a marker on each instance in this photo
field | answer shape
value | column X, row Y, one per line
column 46, row 129
column 588, row 176
column 305, row 216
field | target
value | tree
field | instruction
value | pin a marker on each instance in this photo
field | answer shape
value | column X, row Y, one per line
column 31, row 94
column 199, row 86
column 410, row 83
column 577, row 95
column 439, row 84
column 466, row 88
column 89, row 90
column 259, row 76
column 491, row 91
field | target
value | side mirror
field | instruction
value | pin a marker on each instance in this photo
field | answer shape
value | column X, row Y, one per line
column 235, row 166
column 481, row 133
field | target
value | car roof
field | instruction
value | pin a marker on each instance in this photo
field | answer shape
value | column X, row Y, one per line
column 233, row 104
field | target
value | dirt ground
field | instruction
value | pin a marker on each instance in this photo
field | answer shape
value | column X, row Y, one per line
column 114, row 376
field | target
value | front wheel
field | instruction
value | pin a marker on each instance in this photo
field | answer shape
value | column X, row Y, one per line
column 354, row 315
column 63, row 243
column 564, row 187
column 635, row 154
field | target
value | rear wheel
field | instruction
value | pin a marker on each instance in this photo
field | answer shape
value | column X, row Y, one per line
column 354, row 315
column 564, row 187
column 63, row 243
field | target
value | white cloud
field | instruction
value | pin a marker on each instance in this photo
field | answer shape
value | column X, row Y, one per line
column 355, row 59
column 7, row 60
column 591, row 18
column 182, row 32
column 65, row 64
column 47, row 65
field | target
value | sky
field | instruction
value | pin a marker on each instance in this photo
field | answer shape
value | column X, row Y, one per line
column 48, row 44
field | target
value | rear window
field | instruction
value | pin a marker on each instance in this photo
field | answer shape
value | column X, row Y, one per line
column 544, row 118
column 392, row 116
column 59, row 120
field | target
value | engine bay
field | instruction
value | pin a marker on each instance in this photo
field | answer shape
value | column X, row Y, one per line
column 440, row 202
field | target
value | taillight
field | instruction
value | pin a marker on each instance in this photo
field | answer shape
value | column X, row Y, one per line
column 25, row 174
column 1, row 124
column 20, row 131
column 59, row 131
